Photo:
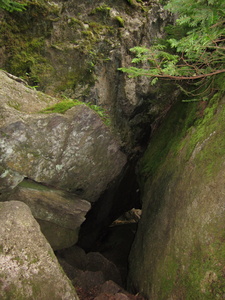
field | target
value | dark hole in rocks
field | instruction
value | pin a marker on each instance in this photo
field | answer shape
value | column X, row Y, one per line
column 115, row 244
column 121, row 196
column 99, row 260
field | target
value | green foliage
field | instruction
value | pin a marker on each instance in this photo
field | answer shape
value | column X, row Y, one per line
column 61, row 107
column 102, row 9
column 101, row 112
column 11, row 6
column 67, row 103
column 199, row 53
column 120, row 21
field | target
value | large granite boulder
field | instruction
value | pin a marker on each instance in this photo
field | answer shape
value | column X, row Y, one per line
column 28, row 266
column 75, row 151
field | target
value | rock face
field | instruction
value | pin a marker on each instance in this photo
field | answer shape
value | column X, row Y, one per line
column 28, row 266
column 179, row 249
column 74, row 49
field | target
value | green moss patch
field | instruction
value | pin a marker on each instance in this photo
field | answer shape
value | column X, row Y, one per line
column 167, row 139
column 66, row 104
column 61, row 107
column 202, row 278
column 191, row 130
column 23, row 36
column 29, row 184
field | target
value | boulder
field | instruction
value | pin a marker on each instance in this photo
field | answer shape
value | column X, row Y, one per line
column 28, row 266
column 75, row 151
column 86, row 264
column 58, row 213
column 179, row 249
column 73, row 256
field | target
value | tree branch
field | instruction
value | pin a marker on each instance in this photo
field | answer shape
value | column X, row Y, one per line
column 174, row 77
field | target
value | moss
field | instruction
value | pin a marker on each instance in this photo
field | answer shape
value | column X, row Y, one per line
column 26, row 50
column 206, row 138
column 26, row 39
column 14, row 104
column 195, row 129
column 205, row 275
column 194, row 274
column 101, row 9
column 33, row 185
column 181, row 117
column 82, row 75
column 66, row 104
column 61, row 107
column 120, row 21
column 75, row 22
column 202, row 280
column 132, row 2
column 168, row 275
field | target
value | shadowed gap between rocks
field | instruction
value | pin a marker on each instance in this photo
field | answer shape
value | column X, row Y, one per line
column 105, row 239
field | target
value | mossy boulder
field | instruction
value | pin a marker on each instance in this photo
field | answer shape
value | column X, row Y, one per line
column 179, row 248
column 74, row 151
column 28, row 266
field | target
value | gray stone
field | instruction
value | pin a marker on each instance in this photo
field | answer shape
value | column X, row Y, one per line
column 28, row 266
column 58, row 213
column 74, row 151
